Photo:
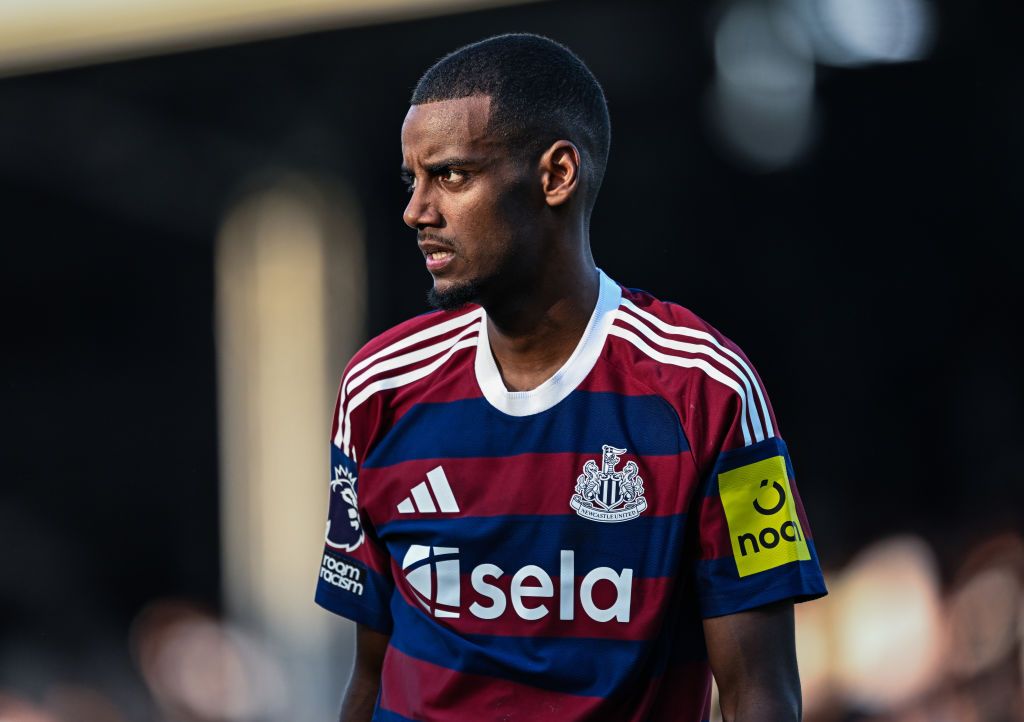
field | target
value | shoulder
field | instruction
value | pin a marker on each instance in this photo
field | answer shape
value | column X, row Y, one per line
column 401, row 361
column 415, row 333
column 669, row 335
column 669, row 317
column 689, row 362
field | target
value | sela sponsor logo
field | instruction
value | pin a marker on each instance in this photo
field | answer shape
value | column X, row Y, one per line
column 763, row 524
column 344, row 530
column 433, row 574
column 421, row 500
column 607, row 495
column 343, row 574
column 434, row 577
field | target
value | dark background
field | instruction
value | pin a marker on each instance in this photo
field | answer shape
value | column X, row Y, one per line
column 876, row 284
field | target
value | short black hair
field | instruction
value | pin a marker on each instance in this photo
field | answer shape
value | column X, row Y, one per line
column 540, row 92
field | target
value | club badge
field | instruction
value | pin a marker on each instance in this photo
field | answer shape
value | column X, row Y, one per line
column 606, row 495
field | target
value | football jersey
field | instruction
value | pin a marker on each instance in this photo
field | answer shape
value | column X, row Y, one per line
column 551, row 554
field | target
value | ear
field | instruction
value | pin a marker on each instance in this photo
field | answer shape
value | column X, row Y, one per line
column 560, row 172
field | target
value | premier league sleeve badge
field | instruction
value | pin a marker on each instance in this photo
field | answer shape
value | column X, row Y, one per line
column 344, row 530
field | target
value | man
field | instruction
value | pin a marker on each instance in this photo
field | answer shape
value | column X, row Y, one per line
column 572, row 499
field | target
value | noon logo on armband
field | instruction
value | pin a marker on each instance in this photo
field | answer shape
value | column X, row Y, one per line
column 344, row 530
column 761, row 514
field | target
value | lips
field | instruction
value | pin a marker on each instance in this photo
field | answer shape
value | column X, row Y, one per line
column 437, row 255
column 437, row 261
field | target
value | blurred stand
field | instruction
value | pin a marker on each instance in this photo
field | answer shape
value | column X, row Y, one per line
column 291, row 292
column 761, row 104
column 888, row 645
column 926, row 616
column 38, row 36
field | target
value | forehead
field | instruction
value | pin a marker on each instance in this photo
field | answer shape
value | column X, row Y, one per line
column 446, row 126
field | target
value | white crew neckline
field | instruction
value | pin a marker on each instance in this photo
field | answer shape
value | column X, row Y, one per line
column 564, row 380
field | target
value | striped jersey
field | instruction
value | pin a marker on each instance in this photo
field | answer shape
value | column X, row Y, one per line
column 550, row 554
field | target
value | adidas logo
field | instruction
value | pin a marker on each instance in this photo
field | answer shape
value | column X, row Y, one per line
column 422, row 501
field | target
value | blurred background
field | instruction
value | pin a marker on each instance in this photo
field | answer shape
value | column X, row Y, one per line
column 200, row 220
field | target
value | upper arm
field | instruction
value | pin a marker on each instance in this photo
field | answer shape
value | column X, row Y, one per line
column 755, row 555
column 753, row 658
column 370, row 648
column 364, row 685
column 753, row 544
column 355, row 570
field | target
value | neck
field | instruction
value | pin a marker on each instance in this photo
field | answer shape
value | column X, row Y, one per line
column 534, row 328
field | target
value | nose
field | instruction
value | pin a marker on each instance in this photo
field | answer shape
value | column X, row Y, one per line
column 421, row 212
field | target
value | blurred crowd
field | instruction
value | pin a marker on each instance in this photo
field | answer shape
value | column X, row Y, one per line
column 893, row 642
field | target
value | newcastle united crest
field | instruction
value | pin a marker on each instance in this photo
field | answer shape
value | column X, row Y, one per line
column 607, row 495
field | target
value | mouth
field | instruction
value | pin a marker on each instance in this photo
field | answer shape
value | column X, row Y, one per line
column 437, row 255
column 438, row 259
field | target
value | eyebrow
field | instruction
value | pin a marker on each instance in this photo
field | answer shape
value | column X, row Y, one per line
column 438, row 166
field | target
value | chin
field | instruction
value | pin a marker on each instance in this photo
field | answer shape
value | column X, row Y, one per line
column 453, row 295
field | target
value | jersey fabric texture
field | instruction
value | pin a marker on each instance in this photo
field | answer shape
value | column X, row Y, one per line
column 550, row 554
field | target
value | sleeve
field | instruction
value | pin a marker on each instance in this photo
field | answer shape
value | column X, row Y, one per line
column 355, row 571
column 754, row 543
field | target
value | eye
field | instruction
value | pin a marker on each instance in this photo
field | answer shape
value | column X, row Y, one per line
column 450, row 175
